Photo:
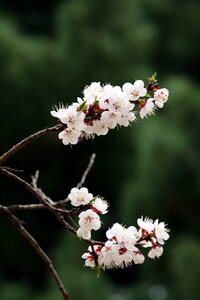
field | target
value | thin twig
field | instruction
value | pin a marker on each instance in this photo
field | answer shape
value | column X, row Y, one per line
column 26, row 207
column 57, row 212
column 38, row 192
column 34, row 183
column 23, row 231
column 85, row 174
column 13, row 170
column 28, row 140
column 27, row 186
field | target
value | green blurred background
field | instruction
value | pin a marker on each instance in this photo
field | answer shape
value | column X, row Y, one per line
column 49, row 50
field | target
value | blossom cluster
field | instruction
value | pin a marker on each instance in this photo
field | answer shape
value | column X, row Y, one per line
column 88, row 219
column 123, row 245
column 105, row 107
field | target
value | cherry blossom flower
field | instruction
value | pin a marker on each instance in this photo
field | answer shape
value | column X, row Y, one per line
column 69, row 136
column 138, row 258
column 134, row 91
column 110, row 118
column 125, row 258
column 118, row 101
column 115, row 232
column 89, row 260
column 161, row 96
column 92, row 92
column 73, row 118
column 100, row 206
column 84, row 232
column 100, row 127
column 145, row 224
column 59, row 112
column 147, row 108
column 126, row 118
column 161, row 232
column 130, row 236
column 88, row 220
column 156, row 251
column 80, row 196
column 109, row 255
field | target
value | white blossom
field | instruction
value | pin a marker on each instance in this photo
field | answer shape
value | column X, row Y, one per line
column 125, row 258
column 107, row 91
column 146, row 224
column 161, row 96
column 92, row 92
column 110, row 118
column 134, row 91
column 109, row 255
column 126, row 118
column 161, row 232
column 130, row 236
column 80, row 196
column 73, row 119
column 100, row 206
column 69, row 136
column 89, row 219
column 59, row 112
column 147, row 108
column 156, row 251
column 84, row 232
column 118, row 101
column 138, row 258
column 115, row 233
column 100, row 127
column 89, row 260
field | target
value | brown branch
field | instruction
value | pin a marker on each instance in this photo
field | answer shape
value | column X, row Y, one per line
column 25, row 207
column 23, row 231
column 45, row 203
column 57, row 211
column 28, row 140
column 86, row 172
column 27, row 186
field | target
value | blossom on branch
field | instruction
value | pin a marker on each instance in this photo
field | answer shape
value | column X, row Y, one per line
column 134, row 91
column 80, row 196
column 123, row 246
column 88, row 220
column 105, row 107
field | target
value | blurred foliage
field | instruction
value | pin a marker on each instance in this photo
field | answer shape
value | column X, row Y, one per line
column 49, row 52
